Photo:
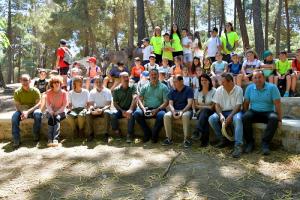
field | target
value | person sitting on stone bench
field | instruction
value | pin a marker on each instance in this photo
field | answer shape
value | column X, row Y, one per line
column 260, row 99
column 124, row 98
column 78, row 102
column 99, row 106
column 228, row 101
column 180, row 104
column 27, row 101
column 152, row 103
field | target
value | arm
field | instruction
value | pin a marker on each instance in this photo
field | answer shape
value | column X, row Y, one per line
column 57, row 61
column 188, row 106
column 140, row 103
column 219, row 112
column 278, row 110
column 246, row 105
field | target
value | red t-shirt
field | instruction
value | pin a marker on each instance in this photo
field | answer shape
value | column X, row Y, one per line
column 60, row 52
column 135, row 72
column 296, row 65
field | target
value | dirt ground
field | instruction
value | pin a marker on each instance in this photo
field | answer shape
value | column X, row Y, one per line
column 77, row 170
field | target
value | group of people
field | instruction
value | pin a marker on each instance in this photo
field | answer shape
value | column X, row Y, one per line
column 170, row 82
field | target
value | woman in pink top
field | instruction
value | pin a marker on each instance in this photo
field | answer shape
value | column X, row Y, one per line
column 56, row 102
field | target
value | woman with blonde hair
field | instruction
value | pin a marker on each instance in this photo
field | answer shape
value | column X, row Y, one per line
column 78, row 102
column 56, row 102
column 157, row 42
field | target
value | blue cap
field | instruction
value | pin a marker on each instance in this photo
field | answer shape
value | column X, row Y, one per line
column 145, row 73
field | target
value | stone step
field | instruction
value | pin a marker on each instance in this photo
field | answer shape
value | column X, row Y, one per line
column 291, row 107
column 288, row 135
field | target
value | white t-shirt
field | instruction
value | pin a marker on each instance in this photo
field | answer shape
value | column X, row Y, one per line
column 228, row 101
column 147, row 51
column 249, row 67
column 187, row 81
column 207, row 99
column 186, row 41
column 212, row 46
column 79, row 100
column 149, row 67
column 100, row 98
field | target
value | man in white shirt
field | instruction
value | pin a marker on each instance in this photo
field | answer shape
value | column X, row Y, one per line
column 187, row 48
column 99, row 104
column 228, row 101
column 213, row 45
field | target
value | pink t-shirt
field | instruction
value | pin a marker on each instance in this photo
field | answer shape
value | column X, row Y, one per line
column 56, row 102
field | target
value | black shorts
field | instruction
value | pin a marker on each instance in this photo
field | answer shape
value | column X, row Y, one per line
column 63, row 71
column 177, row 53
column 158, row 58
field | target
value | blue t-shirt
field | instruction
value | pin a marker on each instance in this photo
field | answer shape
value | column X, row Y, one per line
column 219, row 67
column 235, row 68
column 180, row 99
column 262, row 100
column 115, row 71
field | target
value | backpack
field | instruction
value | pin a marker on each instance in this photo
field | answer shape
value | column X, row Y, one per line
column 97, row 69
column 67, row 56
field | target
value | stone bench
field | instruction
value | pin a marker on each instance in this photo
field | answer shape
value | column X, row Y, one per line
column 288, row 135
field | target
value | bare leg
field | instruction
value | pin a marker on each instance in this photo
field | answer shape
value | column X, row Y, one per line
column 288, row 83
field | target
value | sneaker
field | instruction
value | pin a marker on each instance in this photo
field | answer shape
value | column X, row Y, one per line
column 286, row 94
column 128, row 139
column 265, row 149
column 167, row 142
column 196, row 135
column 187, row 144
column 249, row 148
column 90, row 138
column 49, row 143
column 118, row 136
column 16, row 145
column 237, row 151
column 55, row 143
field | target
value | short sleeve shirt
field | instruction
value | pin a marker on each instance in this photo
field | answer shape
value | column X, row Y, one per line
column 60, row 53
column 186, row 41
column 154, row 96
column 115, row 72
column 123, row 97
column 78, row 99
column 249, row 67
column 282, row 67
column 100, row 98
column 165, row 53
column 232, row 38
column 176, row 43
column 136, row 72
column 147, row 52
column 212, row 46
column 296, row 65
column 204, row 99
column 180, row 98
column 228, row 101
column 262, row 100
column 235, row 68
column 156, row 42
column 219, row 67
column 27, row 99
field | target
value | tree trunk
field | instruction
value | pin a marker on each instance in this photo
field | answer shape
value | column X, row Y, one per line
column 194, row 18
column 172, row 12
column 234, row 16
column 140, row 12
column 131, row 28
column 267, row 25
column 149, row 14
column 222, row 17
column 182, row 10
column 288, row 29
column 242, row 21
column 258, row 29
column 9, row 49
column 208, row 18
column 278, row 26
column 2, row 82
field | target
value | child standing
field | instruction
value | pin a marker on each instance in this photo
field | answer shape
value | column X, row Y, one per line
column 167, row 49
column 147, row 51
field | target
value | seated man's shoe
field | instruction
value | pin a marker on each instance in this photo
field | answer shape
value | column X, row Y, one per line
column 187, row 144
column 265, row 149
column 90, row 138
column 106, row 137
column 222, row 144
column 129, row 139
column 167, row 142
column 249, row 148
column 196, row 135
column 237, row 152
column 16, row 145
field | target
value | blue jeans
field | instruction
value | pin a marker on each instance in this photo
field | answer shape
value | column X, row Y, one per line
column 214, row 121
column 115, row 116
column 148, row 133
column 15, row 122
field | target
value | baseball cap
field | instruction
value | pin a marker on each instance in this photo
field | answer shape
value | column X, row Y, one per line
column 166, row 33
column 63, row 42
column 233, row 54
column 137, row 59
column 92, row 59
column 214, row 29
column 146, row 40
column 152, row 55
column 162, row 71
column 266, row 53
column 145, row 73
